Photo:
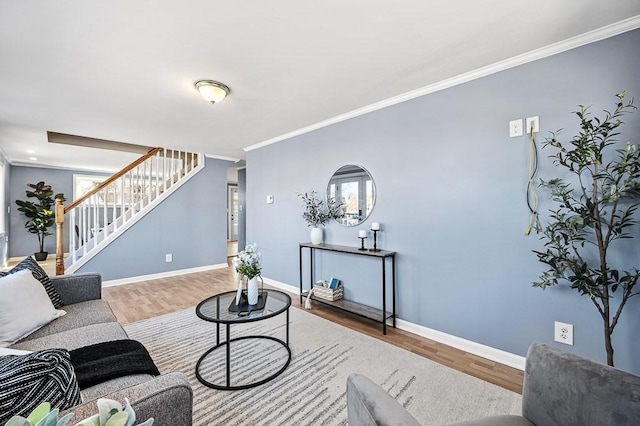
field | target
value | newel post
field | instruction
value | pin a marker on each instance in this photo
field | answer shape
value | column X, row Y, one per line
column 59, row 241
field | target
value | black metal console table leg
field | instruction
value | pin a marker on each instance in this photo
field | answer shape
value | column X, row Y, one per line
column 300, row 258
column 384, row 296
column 393, row 284
column 311, row 262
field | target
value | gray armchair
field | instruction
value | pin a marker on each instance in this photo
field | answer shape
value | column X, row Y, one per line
column 560, row 389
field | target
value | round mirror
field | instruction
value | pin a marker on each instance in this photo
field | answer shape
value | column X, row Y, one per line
column 352, row 187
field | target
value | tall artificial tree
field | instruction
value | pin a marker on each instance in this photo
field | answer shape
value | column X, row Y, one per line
column 39, row 212
column 596, row 207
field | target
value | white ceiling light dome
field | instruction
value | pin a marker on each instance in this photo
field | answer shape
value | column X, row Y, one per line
column 212, row 91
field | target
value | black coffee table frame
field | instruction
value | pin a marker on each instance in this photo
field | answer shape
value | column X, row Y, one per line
column 227, row 343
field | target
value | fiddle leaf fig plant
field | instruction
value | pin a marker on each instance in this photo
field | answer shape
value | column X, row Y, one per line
column 596, row 207
column 40, row 211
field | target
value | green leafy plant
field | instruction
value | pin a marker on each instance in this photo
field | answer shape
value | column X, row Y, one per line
column 41, row 416
column 110, row 413
column 249, row 261
column 40, row 213
column 595, row 209
column 315, row 213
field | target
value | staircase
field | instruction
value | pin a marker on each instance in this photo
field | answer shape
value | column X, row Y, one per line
column 104, row 213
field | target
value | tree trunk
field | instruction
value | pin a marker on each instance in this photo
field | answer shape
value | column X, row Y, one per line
column 607, row 343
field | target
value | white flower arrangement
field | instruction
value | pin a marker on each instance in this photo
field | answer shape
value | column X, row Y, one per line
column 249, row 261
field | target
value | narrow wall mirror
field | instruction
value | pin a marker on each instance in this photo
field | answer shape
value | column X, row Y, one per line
column 352, row 186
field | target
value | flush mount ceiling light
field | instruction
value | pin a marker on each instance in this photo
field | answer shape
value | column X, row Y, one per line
column 212, row 91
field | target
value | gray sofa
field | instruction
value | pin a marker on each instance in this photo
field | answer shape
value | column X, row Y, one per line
column 560, row 389
column 89, row 319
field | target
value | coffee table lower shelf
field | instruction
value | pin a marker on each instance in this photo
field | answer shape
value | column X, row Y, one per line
column 353, row 307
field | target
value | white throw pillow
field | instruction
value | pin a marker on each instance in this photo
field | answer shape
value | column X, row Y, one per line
column 9, row 351
column 24, row 307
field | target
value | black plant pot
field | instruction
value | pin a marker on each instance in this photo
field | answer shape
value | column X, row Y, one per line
column 41, row 255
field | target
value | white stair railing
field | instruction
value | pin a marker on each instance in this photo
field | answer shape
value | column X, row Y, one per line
column 103, row 213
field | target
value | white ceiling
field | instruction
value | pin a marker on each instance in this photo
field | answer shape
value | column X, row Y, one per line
column 124, row 70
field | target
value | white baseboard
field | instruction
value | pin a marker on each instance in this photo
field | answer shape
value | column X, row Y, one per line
column 167, row 274
column 282, row 286
column 493, row 354
column 484, row 351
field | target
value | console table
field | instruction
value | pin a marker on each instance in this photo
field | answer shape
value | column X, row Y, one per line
column 351, row 306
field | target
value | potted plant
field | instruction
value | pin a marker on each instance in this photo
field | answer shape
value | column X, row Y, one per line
column 316, row 214
column 39, row 212
column 110, row 413
column 596, row 208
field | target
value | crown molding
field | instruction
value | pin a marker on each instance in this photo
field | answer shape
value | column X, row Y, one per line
column 4, row 155
column 222, row 157
column 68, row 168
column 543, row 52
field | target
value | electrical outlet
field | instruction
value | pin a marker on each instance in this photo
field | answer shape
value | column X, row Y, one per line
column 533, row 122
column 515, row 128
column 563, row 333
column 168, row 257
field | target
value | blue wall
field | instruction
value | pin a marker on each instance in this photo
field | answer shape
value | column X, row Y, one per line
column 191, row 224
column 451, row 200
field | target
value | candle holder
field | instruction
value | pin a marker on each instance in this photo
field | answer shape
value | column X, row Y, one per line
column 375, row 240
column 362, row 243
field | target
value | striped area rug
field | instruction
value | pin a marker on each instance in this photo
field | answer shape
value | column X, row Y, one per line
column 311, row 391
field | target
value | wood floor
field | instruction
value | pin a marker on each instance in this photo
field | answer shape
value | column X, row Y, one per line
column 134, row 302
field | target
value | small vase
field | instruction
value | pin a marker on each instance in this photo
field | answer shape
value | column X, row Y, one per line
column 252, row 291
column 316, row 235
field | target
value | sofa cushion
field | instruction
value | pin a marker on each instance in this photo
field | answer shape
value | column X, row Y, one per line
column 76, row 338
column 40, row 275
column 26, row 381
column 24, row 307
column 78, row 315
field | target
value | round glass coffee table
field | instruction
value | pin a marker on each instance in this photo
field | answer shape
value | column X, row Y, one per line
column 222, row 309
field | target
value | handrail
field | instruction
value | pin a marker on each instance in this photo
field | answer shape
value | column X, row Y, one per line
column 112, row 179
column 110, row 208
